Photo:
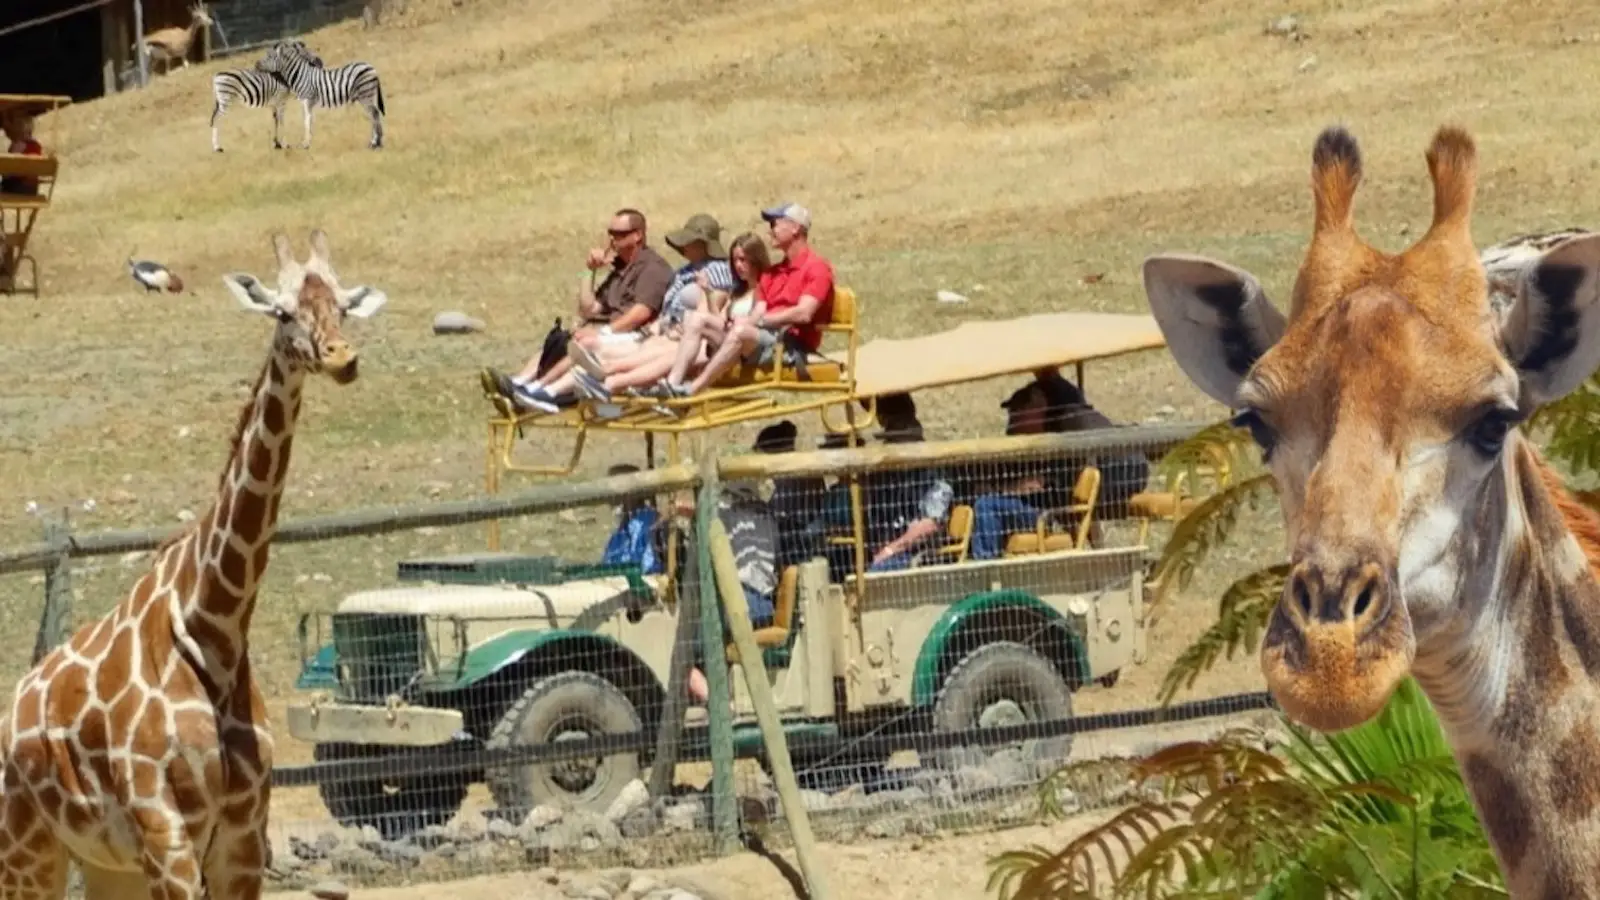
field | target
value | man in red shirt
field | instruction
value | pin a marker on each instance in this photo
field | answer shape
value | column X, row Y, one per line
column 798, row 293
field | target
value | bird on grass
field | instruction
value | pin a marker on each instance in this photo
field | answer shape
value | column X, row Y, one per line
column 154, row 276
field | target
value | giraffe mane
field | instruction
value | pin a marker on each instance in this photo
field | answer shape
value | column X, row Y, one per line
column 1580, row 518
column 246, row 411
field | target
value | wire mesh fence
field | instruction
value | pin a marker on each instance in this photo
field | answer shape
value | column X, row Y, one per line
column 940, row 628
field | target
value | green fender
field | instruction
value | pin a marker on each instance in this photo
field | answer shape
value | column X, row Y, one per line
column 925, row 677
column 490, row 657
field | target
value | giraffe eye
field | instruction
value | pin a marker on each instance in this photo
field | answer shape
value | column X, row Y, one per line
column 1488, row 434
column 283, row 315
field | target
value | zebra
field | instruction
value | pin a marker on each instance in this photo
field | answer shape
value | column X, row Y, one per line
column 255, row 87
column 354, row 82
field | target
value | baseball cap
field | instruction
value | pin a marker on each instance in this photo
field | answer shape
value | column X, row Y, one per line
column 794, row 212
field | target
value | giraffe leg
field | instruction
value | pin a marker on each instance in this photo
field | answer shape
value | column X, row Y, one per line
column 171, row 867
column 236, row 862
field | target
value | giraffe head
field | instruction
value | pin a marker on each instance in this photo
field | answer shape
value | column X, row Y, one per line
column 310, row 307
column 1385, row 405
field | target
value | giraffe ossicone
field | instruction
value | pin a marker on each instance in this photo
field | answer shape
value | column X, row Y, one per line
column 1426, row 536
column 140, row 748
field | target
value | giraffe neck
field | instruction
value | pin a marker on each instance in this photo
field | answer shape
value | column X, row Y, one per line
column 230, row 549
column 1514, row 674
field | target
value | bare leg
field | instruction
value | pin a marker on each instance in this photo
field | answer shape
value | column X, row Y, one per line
column 699, row 326
column 652, row 371
column 740, row 342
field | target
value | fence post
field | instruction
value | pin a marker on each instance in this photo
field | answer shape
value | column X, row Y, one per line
column 731, row 593
column 724, row 802
column 57, row 589
column 138, row 44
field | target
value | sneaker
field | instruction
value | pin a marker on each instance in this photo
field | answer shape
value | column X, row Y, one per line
column 678, row 391
column 585, row 359
column 591, row 387
column 534, row 399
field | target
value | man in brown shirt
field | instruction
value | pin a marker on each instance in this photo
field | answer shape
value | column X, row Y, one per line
column 616, row 310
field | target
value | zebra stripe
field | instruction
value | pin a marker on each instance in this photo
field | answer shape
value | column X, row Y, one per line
column 251, row 87
column 351, row 83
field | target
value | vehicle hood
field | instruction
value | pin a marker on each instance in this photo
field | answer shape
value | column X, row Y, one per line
column 561, row 604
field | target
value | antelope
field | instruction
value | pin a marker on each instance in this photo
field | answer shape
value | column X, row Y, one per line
column 168, row 44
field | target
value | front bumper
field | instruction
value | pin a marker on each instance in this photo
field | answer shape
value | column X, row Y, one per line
column 326, row 721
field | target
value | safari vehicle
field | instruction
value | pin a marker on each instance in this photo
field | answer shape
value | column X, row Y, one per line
column 20, row 210
column 501, row 650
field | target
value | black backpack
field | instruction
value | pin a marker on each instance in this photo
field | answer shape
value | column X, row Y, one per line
column 555, row 347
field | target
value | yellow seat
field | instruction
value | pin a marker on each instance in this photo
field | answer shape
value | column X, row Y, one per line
column 776, row 634
column 18, row 212
column 818, row 370
column 1180, row 498
column 959, row 530
column 1085, row 494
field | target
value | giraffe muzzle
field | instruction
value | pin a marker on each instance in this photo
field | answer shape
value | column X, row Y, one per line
column 1337, row 643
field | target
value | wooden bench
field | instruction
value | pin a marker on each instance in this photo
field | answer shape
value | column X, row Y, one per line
column 18, row 212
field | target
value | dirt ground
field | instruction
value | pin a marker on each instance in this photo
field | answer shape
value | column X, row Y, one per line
column 937, row 867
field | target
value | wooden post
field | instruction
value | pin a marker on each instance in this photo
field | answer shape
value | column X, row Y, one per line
column 54, row 618
column 714, row 659
column 755, row 676
column 138, row 43
column 669, row 737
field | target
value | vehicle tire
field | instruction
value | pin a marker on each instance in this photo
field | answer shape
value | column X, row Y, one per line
column 567, row 706
column 395, row 807
column 999, row 684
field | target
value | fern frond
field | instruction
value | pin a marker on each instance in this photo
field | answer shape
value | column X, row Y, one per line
column 1070, row 873
column 1202, row 530
column 1082, row 778
column 1241, row 618
column 1219, row 447
column 1572, row 423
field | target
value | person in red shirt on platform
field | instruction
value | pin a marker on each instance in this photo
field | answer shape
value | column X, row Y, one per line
column 798, row 293
column 19, row 128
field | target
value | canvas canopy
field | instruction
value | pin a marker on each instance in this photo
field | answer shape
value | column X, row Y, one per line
column 978, row 350
column 32, row 104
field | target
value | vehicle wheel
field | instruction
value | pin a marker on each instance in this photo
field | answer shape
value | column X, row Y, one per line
column 1002, row 684
column 395, row 807
column 564, row 707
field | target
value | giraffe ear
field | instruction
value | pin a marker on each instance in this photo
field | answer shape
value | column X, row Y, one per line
column 1217, row 319
column 361, row 301
column 251, row 293
column 1552, row 333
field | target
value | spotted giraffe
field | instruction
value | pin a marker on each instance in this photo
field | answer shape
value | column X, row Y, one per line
column 1426, row 536
column 139, row 747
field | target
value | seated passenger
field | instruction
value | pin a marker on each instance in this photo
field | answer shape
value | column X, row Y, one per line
column 18, row 128
column 798, row 293
column 752, row 534
column 633, row 541
column 1014, row 498
column 796, row 500
column 613, row 312
column 707, row 294
column 700, row 242
column 908, row 509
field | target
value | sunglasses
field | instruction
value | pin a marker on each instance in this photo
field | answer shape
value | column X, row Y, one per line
column 620, row 232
